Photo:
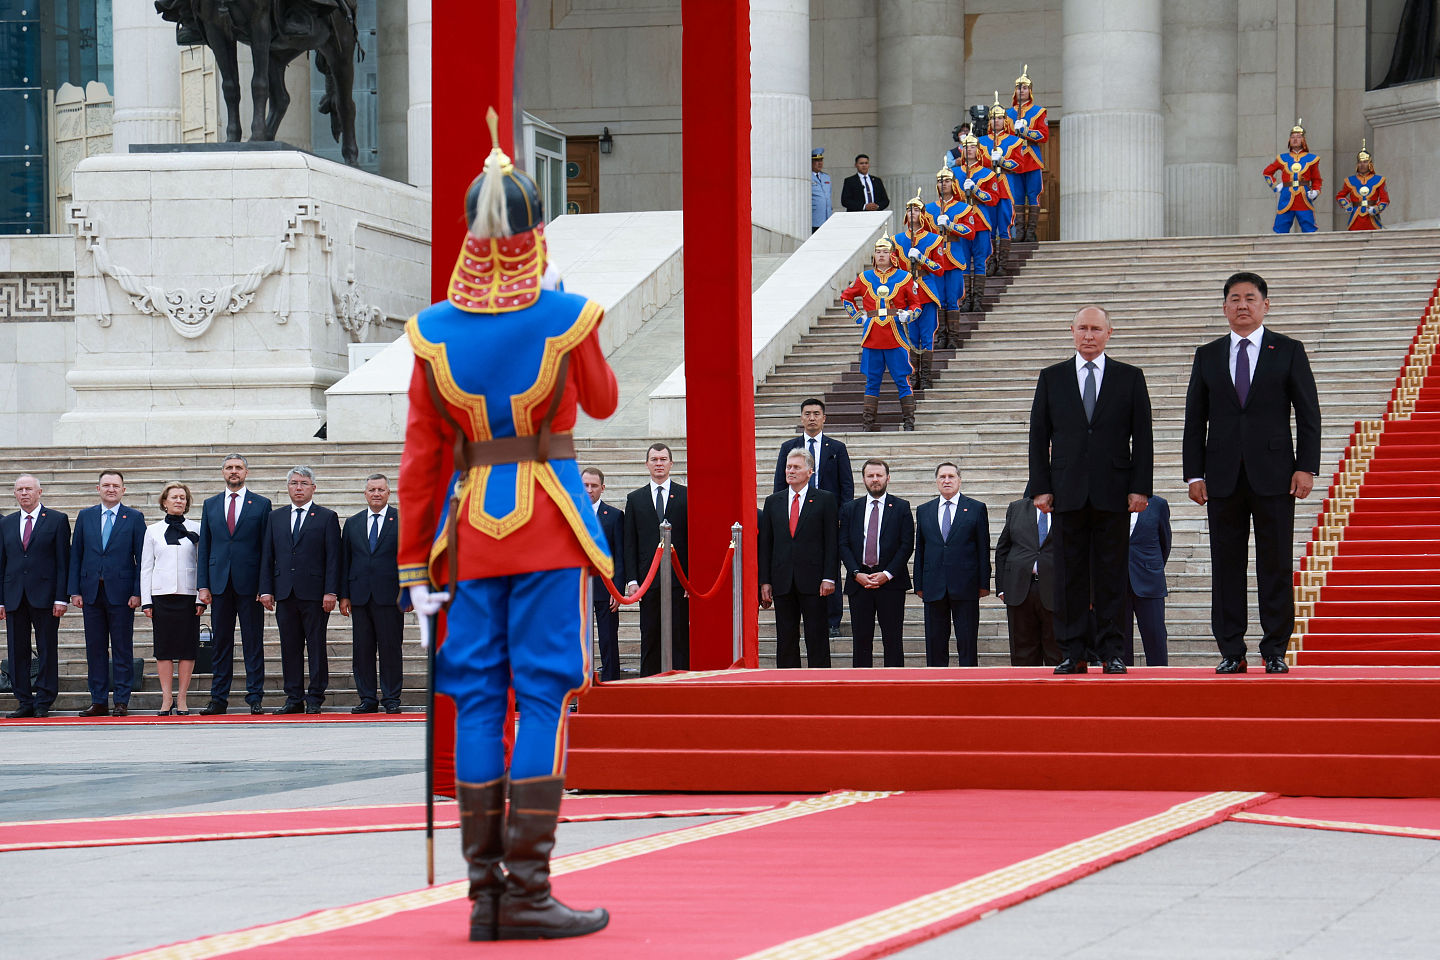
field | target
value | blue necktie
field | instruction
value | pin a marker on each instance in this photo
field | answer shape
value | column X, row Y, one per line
column 945, row 521
column 814, row 477
column 374, row 531
column 1044, row 525
column 105, row 530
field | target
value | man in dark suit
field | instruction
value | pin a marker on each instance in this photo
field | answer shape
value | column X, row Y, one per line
column 1091, row 463
column 300, row 582
column 799, row 563
column 1025, row 580
column 832, row 473
column 105, row 585
column 952, row 569
column 370, row 597
column 862, row 191
column 644, row 508
column 1146, row 591
column 877, row 537
column 35, row 562
column 1243, row 466
column 605, row 607
column 232, row 530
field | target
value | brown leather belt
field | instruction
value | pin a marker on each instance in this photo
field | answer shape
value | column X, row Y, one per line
column 488, row 453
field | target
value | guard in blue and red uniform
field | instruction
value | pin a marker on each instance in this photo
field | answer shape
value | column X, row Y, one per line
column 942, row 217
column 918, row 253
column 1295, row 178
column 981, row 189
column 1028, row 120
column 1001, row 150
column 882, row 300
column 495, row 513
column 1363, row 195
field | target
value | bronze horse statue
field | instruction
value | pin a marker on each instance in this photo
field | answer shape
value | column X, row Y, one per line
column 277, row 32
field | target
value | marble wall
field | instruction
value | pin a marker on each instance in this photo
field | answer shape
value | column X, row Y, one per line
column 37, row 336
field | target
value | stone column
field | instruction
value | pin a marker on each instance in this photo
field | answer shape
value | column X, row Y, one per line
column 920, row 92
column 780, row 116
column 394, row 51
column 1201, row 123
column 418, row 117
column 147, row 77
column 1113, row 147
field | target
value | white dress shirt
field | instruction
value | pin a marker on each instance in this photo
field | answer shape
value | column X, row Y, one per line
column 819, row 448
column 167, row 569
column 869, row 190
column 302, row 510
column 954, row 510
column 1253, row 350
column 1081, row 373
column 665, row 488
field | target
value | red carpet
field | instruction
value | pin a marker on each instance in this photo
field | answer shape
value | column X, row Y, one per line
column 1418, row 818
column 150, row 718
column 841, row 876
column 253, row 824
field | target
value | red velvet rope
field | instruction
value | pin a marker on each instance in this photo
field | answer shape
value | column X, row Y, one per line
column 715, row 587
column 649, row 577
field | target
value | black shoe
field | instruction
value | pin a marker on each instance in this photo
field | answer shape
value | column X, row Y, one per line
column 256, row 709
column 1072, row 666
column 214, row 708
column 42, row 711
column 392, row 708
column 180, row 713
column 312, row 708
column 1229, row 665
column 21, row 713
column 95, row 710
column 365, row 708
column 1276, row 665
column 121, row 710
column 289, row 708
column 1115, row 665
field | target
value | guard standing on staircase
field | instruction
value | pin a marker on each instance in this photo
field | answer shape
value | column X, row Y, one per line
column 1363, row 195
column 941, row 216
column 1028, row 120
column 882, row 300
column 981, row 187
column 1001, row 150
column 919, row 253
column 1295, row 178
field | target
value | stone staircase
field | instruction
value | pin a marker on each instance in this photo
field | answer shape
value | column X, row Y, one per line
column 1353, row 300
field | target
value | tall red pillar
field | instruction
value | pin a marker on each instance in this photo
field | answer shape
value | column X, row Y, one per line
column 719, row 379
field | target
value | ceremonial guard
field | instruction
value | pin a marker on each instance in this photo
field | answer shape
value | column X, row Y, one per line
column 496, row 515
column 1028, row 121
column 1295, row 178
column 942, row 217
column 1363, row 195
column 821, row 205
column 882, row 300
column 1001, row 150
column 981, row 191
column 919, row 254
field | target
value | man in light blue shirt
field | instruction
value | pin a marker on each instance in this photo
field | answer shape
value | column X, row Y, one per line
column 821, row 205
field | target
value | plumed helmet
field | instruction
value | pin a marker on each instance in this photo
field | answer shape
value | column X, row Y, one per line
column 915, row 202
column 997, row 109
column 1299, row 126
column 969, row 140
column 884, row 245
column 1364, row 155
column 1024, row 76
column 945, row 173
column 502, row 201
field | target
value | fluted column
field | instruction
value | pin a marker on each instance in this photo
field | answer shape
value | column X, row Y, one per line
column 418, row 116
column 1113, row 147
column 920, row 90
column 780, row 116
column 1201, row 126
column 147, row 77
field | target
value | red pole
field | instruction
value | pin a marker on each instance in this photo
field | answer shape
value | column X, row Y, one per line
column 719, row 379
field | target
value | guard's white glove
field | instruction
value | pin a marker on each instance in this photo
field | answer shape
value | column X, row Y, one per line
column 1020, row 125
column 1275, row 187
column 913, row 254
column 996, row 154
column 904, row 316
column 969, row 184
column 426, row 605
column 1312, row 194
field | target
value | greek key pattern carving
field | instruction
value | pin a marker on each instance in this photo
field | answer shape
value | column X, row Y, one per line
column 36, row 297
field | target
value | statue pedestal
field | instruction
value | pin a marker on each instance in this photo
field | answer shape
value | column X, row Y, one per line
column 218, row 291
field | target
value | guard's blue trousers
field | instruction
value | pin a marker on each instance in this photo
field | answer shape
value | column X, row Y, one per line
column 1283, row 221
column 1004, row 213
column 952, row 282
column 527, row 630
column 1025, row 187
column 972, row 252
column 922, row 330
column 874, row 363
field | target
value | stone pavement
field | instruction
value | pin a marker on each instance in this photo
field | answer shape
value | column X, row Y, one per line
column 1235, row 890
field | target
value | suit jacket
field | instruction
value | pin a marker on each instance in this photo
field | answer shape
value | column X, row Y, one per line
column 612, row 524
column 801, row 561
column 960, row 565
column 897, row 540
column 1221, row 436
column 833, row 463
column 1150, row 549
column 309, row 567
column 1103, row 461
column 367, row 577
column 642, row 531
column 1017, row 553
column 852, row 193
column 118, row 564
column 226, row 559
column 38, row 573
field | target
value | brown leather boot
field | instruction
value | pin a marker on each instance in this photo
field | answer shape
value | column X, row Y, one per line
column 482, row 840
column 1002, row 257
column 927, row 376
column 979, row 292
column 869, row 413
column 527, row 909
column 1033, row 224
column 907, row 412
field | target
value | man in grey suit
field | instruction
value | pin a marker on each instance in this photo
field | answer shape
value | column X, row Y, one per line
column 1025, row 579
column 1146, row 591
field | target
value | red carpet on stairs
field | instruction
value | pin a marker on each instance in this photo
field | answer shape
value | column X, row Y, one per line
column 849, row 875
column 1418, row 818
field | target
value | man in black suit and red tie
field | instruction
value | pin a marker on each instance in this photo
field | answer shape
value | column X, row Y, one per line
column 952, row 569
column 232, row 531
column 662, row 497
column 1091, row 465
column 799, row 563
column 34, row 565
column 1243, row 465
column 300, row 582
column 370, row 597
column 832, row 473
column 606, row 608
column 877, row 536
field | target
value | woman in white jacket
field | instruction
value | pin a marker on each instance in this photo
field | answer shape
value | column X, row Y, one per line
column 168, row 593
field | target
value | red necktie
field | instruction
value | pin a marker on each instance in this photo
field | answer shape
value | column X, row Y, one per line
column 230, row 514
column 29, row 521
column 794, row 511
